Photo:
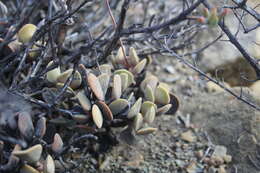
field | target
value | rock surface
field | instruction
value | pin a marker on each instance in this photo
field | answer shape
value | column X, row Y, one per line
column 231, row 124
column 223, row 57
column 188, row 136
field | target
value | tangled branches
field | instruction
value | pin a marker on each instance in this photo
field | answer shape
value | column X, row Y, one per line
column 82, row 35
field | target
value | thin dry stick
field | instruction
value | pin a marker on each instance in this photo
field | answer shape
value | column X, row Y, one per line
column 209, row 78
column 115, row 26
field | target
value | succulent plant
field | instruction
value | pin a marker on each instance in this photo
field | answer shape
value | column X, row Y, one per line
column 57, row 144
column 119, row 93
column 40, row 128
column 28, row 169
column 76, row 81
column 34, row 51
column 25, row 34
column 212, row 17
column 205, row 12
column 25, row 125
column 53, row 74
column 49, row 166
column 10, row 48
column 102, row 101
column 30, row 155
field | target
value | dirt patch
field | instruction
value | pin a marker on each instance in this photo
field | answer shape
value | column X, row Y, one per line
column 233, row 72
column 230, row 123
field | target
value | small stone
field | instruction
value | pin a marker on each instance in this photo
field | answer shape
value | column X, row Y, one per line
column 192, row 168
column 170, row 69
column 178, row 144
column 222, row 169
column 211, row 162
column 206, row 160
column 180, row 163
column 200, row 145
column 171, row 79
column 227, row 158
column 213, row 87
column 188, row 136
column 220, row 151
column 217, row 160
column 184, row 146
column 212, row 170
column 199, row 154
column 135, row 160
column 174, row 132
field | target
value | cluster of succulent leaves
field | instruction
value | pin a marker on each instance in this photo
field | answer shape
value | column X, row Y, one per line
column 117, row 95
column 99, row 100
column 212, row 17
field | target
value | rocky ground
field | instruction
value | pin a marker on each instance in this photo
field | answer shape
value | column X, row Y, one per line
column 211, row 133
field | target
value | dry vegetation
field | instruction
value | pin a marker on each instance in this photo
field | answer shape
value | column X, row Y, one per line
column 77, row 81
